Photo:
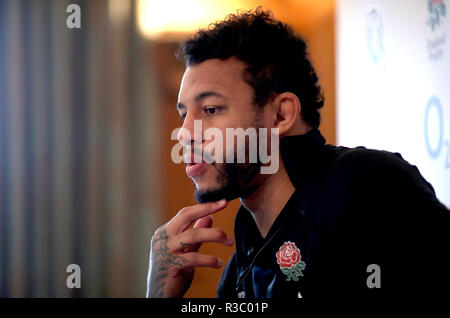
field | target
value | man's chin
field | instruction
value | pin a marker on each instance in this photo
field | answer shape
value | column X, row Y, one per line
column 232, row 181
column 226, row 192
column 216, row 195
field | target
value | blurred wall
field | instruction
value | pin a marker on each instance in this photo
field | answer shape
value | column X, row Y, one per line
column 79, row 182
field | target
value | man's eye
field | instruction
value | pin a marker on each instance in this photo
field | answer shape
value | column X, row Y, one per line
column 211, row 110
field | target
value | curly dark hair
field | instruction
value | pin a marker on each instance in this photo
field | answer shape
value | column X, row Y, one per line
column 276, row 57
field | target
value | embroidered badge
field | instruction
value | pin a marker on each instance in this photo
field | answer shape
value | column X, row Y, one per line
column 289, row 259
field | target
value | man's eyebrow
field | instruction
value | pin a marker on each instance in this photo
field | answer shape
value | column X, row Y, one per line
column 201, row 96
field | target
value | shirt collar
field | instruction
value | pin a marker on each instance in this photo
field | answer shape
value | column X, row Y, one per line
column 248, row 238
column 300, row 155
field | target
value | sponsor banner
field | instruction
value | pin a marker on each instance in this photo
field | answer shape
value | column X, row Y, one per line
column 393, row 75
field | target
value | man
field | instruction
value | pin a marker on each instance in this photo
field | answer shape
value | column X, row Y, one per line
column 330, row 221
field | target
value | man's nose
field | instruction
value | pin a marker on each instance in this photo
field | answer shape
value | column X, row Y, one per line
column 188, row 134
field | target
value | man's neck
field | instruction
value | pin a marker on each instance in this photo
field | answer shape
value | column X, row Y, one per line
column 266, row 202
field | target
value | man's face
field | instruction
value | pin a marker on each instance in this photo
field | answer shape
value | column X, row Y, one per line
column 215, row 93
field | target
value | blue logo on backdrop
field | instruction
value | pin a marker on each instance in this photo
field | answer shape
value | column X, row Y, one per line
column 437, row 10
column 437, row 38
column 374, row 34
column 434, row 103
column 434, row 152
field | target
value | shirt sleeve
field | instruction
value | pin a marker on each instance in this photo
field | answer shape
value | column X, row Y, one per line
column 399, row 224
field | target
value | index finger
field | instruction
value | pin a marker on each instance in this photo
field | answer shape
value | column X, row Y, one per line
column 190, row 214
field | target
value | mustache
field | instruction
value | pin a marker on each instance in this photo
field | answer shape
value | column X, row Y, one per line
column 198, row 155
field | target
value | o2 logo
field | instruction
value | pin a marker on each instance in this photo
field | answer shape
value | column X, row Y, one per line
column 434, row 130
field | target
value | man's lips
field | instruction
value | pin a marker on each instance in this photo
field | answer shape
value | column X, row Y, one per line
column 195, row 169
column 195, row 163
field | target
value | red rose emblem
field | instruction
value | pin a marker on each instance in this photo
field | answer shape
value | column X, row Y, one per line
column 288, row 255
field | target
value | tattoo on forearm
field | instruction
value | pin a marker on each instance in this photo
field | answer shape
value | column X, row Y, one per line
column 161, row 261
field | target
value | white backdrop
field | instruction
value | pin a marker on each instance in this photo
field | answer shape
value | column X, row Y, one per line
column 393, row 82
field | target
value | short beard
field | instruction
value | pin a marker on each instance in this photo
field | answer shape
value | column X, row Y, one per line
column 235, row 180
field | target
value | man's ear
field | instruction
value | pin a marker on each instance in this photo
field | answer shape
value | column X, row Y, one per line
column 288, row 109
